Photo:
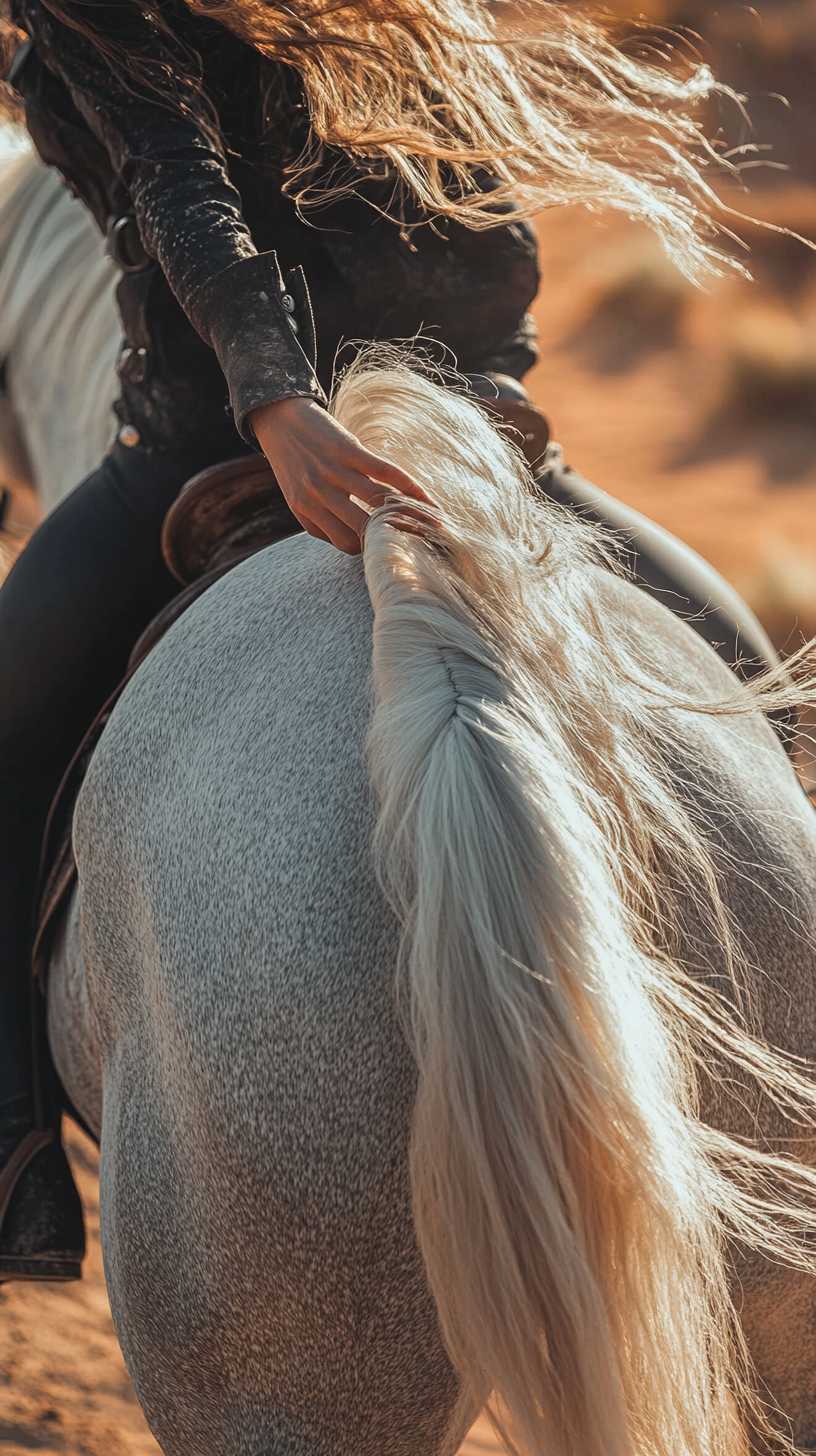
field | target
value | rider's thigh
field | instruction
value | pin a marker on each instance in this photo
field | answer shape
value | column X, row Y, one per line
column 73, row 604
column 669, row 571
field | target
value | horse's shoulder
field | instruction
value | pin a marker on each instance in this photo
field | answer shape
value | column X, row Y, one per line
column 280, row 623
column 298, row 595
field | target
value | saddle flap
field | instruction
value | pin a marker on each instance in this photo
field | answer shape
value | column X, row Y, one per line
column 222, row 515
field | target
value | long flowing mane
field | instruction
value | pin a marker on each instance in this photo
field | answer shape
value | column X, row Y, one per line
column 572, row 1208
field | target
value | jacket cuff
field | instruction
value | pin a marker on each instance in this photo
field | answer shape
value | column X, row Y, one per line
column 263, row 334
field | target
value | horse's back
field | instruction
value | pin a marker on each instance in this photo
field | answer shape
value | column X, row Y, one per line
column 264, row 1275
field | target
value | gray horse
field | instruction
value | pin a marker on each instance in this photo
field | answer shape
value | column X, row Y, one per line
column 398, row 1093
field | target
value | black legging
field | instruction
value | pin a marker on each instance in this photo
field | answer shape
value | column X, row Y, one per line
column 74, row 603
column 71, row 607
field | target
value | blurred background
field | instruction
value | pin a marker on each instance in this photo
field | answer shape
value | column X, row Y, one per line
column 697, row 408
column 700, row 408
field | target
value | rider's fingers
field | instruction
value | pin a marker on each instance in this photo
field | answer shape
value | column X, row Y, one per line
column 409, row 517
column 338, row 535
column 315, row 531
column 413, row 524
column 367, row 495
column 347, row 496
column 309, row 525
column 381, row 472
column 354, row 510
column 334, row 519
column 335, row 506
column 304, row 516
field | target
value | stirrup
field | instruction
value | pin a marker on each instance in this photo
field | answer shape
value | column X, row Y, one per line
column 42, row 1235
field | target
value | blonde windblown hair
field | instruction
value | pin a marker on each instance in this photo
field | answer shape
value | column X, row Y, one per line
column 535, row 93
column 571, row 1206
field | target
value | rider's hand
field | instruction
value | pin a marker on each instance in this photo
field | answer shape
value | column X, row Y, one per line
column 320, row 466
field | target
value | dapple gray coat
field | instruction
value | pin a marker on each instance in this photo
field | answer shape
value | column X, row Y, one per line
column 222, row 1012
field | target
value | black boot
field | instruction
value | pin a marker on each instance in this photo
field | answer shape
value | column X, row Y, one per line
column 41, row 1227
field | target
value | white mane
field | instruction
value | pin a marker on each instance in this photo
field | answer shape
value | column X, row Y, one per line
column 569, row 1203
column 58, row 323
column 572, row 854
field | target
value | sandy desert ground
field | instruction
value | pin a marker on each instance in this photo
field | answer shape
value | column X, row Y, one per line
column 700, row 410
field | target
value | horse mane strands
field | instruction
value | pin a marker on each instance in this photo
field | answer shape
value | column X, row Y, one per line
column 570, row 1207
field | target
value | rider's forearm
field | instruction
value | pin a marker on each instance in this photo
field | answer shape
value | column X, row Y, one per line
column 262, row 331
column 162, row 143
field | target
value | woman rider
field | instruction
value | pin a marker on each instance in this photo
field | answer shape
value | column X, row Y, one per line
column 231, row 149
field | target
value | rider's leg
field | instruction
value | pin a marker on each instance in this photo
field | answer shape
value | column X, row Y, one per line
column 41, row 1223
column 668, row 570
column 73, row 605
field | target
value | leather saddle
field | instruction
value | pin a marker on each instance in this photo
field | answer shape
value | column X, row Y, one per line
column 222, row 516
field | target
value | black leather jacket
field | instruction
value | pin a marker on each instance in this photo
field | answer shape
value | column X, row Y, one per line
column 208, row 204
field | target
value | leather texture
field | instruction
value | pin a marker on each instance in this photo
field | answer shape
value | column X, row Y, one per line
column 42, row 1233
column 34, row 1141
column 252, row 293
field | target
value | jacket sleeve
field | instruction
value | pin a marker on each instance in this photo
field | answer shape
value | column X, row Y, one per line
column 164, row 146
